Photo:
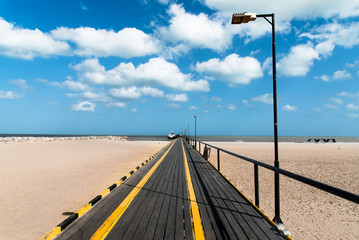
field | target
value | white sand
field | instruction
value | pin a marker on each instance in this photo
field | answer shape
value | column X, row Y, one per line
column 40, row 181
column 307, row 212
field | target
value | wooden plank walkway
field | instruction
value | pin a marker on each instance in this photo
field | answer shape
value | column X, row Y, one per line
column 157, row 202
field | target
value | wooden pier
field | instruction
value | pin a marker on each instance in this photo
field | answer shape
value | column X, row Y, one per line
column 177, row 195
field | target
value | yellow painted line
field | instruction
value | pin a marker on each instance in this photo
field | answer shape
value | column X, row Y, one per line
column 196, row 217
column 53, row 233
column 110, row 222
column 104, row 193
column 84, row 209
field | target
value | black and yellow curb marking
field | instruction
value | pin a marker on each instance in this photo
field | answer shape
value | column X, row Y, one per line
column 250, row 202
column 110, row 222
column 59, row 228
column 197, row 228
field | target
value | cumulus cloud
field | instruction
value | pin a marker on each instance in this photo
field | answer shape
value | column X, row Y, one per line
column 353, row 115
column 233, row 69
column 85, row 106
column 298, row 61
column 116, row 104
column 352, row 106
column 331, row 34
column 173, row 106
column 338, row 75
column 9, row 95
column 193, row 108
column 157, row 71
column 336, row 100
column 349, row 95
column 289, row 9
column 21, row 83
column 94, row 97
column 195, row 30
column 127, row 43
column 229, row 107
column 290, row 108
column 265, row 98
column 27, row 44
column 216, row 99
column 133, row 93
column 177, row 97
column 341, row 75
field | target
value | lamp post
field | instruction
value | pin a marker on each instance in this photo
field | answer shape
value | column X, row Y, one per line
column 239, row 18
column 188, row 132
column 195, row 131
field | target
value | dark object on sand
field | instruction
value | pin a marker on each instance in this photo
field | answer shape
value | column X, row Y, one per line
column 324, row 140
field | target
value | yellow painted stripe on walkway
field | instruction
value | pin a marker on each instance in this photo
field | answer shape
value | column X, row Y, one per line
column 53, row 233
column 197, row 228
column 110, row 222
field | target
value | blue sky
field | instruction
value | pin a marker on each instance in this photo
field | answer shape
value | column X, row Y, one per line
column 143, row 67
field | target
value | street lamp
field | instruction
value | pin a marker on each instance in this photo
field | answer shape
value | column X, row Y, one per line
column 239, row 18
column 195, row 131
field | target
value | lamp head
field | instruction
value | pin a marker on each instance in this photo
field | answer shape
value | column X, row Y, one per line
column 239, row 18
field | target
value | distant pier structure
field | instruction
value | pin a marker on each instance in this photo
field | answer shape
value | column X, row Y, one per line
column 317, row 140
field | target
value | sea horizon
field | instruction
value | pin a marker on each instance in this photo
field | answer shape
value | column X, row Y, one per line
column 211, row 138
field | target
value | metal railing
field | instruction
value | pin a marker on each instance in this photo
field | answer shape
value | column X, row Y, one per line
column 327, row 188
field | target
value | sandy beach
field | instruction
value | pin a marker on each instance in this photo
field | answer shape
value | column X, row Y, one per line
column 39, row 181
column 307, row 212
column 42, row 180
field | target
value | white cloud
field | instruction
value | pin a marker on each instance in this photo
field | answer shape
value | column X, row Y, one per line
column 338, row 75
column 84, row 107
column 341, row 75
column 94, row 97
column 216, row 99
column 173, row 106
column 193, row 108
column 9, row 95
column 331, row 34
column 350, row 95
column 127, row 43
column 157, row 71
column 325, row 78
column 330, row 106
column 83, row 7
column 290, row 108
column 177, row 97
column 298, row 61
column 266, row 98
column 153, row 92
column 195, row 30
column 131, row 93
column 27, row 44
column 353, row 115
column 233, row 69
column 289, row 9
column 116, row 104
column 229, row 107
column 336, row 100
column 21, row 83
column 352, row 106
column 134, row 110
column 74, row 86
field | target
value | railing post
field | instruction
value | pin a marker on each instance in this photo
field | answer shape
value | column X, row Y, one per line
column 256, row 185
column 199, row 146
column 218, row 161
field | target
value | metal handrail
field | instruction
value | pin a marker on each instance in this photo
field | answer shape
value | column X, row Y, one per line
column 325, row 187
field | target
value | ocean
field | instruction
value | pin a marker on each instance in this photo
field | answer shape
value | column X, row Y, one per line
column 204, row 138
